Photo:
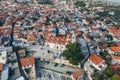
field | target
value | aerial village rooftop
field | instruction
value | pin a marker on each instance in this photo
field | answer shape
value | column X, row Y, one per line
column 34, row 37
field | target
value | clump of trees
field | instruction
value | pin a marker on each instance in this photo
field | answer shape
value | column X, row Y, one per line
column 67, row 20
column 109, row 37
column 80, row 4
column 45, row 2
column 73, row 53
column 109, row 74
column 105, row 53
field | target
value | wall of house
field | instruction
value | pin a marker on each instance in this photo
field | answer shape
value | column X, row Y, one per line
column 55, row 46
column 111, row 52
column 96, row 66
column 115, row 61
column 3, row 57
column 32, row 73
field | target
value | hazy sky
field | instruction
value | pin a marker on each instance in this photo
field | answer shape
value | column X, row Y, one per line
column 114, row 0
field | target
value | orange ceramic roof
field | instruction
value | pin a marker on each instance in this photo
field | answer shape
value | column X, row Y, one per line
column 47, row 32
column 1, row 66
column 95, row 29
column 77, row 74
column 87, row 36
column 72, row 25
column 118, row 45
column 76, row 31
column 107, row 19
column 27, row 61
column 115, row 32
column 116, row 57
column 68, row 35
column 95, row 59
column 115, row 66
column 31, row 38
column 115, row 48
column 56, row 40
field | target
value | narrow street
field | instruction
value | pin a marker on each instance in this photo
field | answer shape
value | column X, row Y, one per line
column 16, row 51
column 82, row 64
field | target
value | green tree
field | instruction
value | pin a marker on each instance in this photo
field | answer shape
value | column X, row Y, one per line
column 105, row 53
column 67, row 20
column 113, row 78
column 28, row 70
column 108, row 73
column 96, row 75
column 80, row 4
column 111, row 44
column 73, row 53
column 107, row 57
column 45, row 2
column 109, row 37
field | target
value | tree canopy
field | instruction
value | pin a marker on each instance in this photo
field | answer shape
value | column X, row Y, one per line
column 73, row 53
column 108, row 73
column 113, row 78
column 105, row 53
column 46, row 2
column 80, row 3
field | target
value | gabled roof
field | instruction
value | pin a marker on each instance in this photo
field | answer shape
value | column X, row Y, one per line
column 114, row 48
column 56, row 40
column 77, row 74
column 118, row 44
column 27, row 61
column 76, row 32
column 95, row 59
column 115, row 66
column 1, row 66
column 116, row 57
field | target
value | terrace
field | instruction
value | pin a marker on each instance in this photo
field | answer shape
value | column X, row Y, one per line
column 55, row 67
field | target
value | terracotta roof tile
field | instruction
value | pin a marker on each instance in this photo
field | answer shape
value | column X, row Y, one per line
column 56, row 40
column 47, row 32
column 1, row 66
column 115, row 48
column 31, row 38
column 77, row 74
column 95, row 59
column 95, row 29
column 115, row 66
column 27, row 61
column 76, row 31
column 116, row 57
column 118, row 45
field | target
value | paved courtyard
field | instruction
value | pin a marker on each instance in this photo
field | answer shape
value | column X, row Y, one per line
column 50, row 75
column 53, row 71
column 60, row 68
column 42, row 52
